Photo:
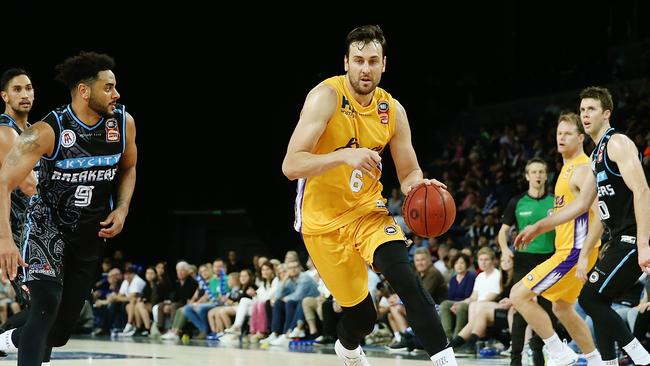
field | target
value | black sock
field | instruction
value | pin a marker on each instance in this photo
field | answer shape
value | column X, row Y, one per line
column 457, row 342
column 472, row 338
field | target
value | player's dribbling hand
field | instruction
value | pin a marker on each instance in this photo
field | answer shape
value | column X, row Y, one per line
column 113, row 224
column 429, row 182
column 10, row 259
column 526, row 236
column 363, row 159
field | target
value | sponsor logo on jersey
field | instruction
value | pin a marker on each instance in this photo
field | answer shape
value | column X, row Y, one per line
column 45, row 269
column 390, row 229
column 628, row 239
column 346, row 108
column 601, row 151
column 382, row 111
column 593, row 277
column 112, row 132
column 601, row 176
column 525, row 213
column 86, row 162
column 568, row 171
column 68, row 138
column 530, row 277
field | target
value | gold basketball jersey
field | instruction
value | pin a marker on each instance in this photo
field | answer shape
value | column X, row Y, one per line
column 340, row 195
column 572, row 234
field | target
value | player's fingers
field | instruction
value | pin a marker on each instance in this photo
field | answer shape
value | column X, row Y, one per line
column 12, row 267
column 367, row 169
column 22, row 262
column 438, row 183
column 376, row 158
column 3, row 268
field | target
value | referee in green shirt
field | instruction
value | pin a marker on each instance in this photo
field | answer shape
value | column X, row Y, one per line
column 523, row 210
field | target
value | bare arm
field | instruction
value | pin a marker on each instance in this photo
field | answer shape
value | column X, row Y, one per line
column 36, row 141
column 623, row 152
column 579, row 206
column 406, row 162
column 301, row 162
column 595, row 230
column 114, row 223
column 8, row 138
column 502, row 238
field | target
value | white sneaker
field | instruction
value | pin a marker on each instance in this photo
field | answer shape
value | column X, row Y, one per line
column 566, row 358
column 297, row 333
column 170, row 336
column 130, row 333
column 359, row 360
column 269, row 339
column 282, row 340
column 128, row 328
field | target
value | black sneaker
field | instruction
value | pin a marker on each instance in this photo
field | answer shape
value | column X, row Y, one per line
column 400, row 346
column 466, row 350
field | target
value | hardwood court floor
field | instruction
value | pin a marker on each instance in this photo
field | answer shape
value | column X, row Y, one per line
column 145, row 352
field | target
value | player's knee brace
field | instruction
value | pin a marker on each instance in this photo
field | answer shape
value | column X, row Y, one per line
column 357, row 322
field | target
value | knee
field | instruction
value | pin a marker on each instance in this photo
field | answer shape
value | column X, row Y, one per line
column 561, row 309
column 519, row 294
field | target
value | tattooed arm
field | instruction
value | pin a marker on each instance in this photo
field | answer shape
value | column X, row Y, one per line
column 36, row 141
column 8, row 138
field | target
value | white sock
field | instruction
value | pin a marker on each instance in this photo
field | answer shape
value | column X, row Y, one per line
column 398, row 336
column 445, row 357
column 554, row 344
column 613, row 362
column 637, row 353
column 346, row 352
column 593, row 358
column 5, row 341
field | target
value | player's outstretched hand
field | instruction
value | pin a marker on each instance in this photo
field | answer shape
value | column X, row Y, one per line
column 526, row 236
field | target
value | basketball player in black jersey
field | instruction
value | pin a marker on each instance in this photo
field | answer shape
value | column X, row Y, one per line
column 87, row 151
column 623, row 195
column 17, row 93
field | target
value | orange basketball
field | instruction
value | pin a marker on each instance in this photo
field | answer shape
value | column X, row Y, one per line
column 429, row 211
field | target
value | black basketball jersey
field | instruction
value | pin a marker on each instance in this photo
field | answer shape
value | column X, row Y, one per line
column 19, row 200
column 615, row 200
column 76, row 182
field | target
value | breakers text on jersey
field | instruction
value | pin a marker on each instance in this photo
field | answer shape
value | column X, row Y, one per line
column 85, row 176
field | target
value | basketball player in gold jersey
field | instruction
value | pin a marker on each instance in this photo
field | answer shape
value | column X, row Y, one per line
column 575, row 251
column 334, row 152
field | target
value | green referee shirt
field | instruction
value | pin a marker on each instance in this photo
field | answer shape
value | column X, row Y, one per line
column 524, row 210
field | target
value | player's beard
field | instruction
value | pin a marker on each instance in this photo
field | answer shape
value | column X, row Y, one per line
column 356, row 85
column 102, row 110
